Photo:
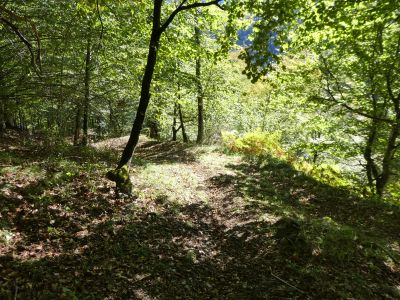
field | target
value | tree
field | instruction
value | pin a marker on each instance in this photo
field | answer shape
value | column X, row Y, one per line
column 158, row 28
column 200, row 95
column 358, row 47
column 73, row 93
column 361, row 74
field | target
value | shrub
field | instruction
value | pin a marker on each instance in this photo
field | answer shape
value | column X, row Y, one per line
column 256, row 143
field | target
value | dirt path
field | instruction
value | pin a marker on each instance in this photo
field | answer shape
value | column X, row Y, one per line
column 221, row 248
column 202, row 225
column 233, row 208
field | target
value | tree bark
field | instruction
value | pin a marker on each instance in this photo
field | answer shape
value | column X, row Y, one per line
column 184, row 135
column 154, row 127
column 200, row 98
column 113, row 123
column 62, row 129
column 2, row 116
column 145, row 88
column 371, row 168
column 391, row 147
column 174, row 129
column 78, row 117
column 86, row 102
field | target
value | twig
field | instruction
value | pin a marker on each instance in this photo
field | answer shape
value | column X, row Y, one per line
column 183, row 7
column 287, row 283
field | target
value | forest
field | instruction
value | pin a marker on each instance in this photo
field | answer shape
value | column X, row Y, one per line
column 199, row 149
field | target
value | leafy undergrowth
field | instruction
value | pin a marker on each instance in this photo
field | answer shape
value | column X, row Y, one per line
column 202, row 225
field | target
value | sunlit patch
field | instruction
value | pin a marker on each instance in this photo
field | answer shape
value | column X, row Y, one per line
column 141, row 295
column 174, row 182
column 269, row 217
column 316, row 251
column 305, row 200
column 8, row 237
column 37, row 251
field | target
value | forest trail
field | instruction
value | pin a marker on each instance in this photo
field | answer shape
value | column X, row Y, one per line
column 190, row 175
column 202, row 225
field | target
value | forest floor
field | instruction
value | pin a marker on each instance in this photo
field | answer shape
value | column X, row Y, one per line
column 201, row 225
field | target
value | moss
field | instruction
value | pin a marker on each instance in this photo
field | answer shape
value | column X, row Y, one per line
column 122, row 179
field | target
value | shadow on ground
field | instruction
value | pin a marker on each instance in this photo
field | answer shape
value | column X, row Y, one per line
column 276, row 186
column 80, row 242
column 165, row 152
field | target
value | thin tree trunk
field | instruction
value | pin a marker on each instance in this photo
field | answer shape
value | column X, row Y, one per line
column 21, row 123
column 265, row 111
column 2, row 116
column 60, row 104
column 113, row 124
column 371, row 168
column 78, row 118
column 154, row 127
column 391, row 147
column 86, row 102
column 145, row 89
column 181, row 120
column 184, row 135
column 200, row 99
column 174, row 129
column 394, row 134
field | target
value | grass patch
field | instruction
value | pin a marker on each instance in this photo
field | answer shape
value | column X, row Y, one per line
column 174, row 182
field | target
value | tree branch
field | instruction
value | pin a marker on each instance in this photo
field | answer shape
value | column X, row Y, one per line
column 24, row 40
column 10, row 13
column 183, row 7
column 352, row 109
column 35, row 62
column 38, row 51
column 343, row 104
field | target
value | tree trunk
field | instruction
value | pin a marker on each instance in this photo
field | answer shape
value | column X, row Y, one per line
column 78, row 117
column 2, row 116
column 391, row 147
column 154, row 127
column 145, row 88
column 87, row 93
column 371, row 168
column 113, row 127
column 157, row 30
column 200, row 99
column 174, row 129
column 184, row 135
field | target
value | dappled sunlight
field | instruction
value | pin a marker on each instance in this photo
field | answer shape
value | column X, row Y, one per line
column 199, row 149
column 217, row 225
column 174, row 181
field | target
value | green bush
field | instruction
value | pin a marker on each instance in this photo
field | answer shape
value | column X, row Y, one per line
column 256, row 143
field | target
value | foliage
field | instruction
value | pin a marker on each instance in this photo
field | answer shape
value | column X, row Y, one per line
column 255, row 143
column 261, row 144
